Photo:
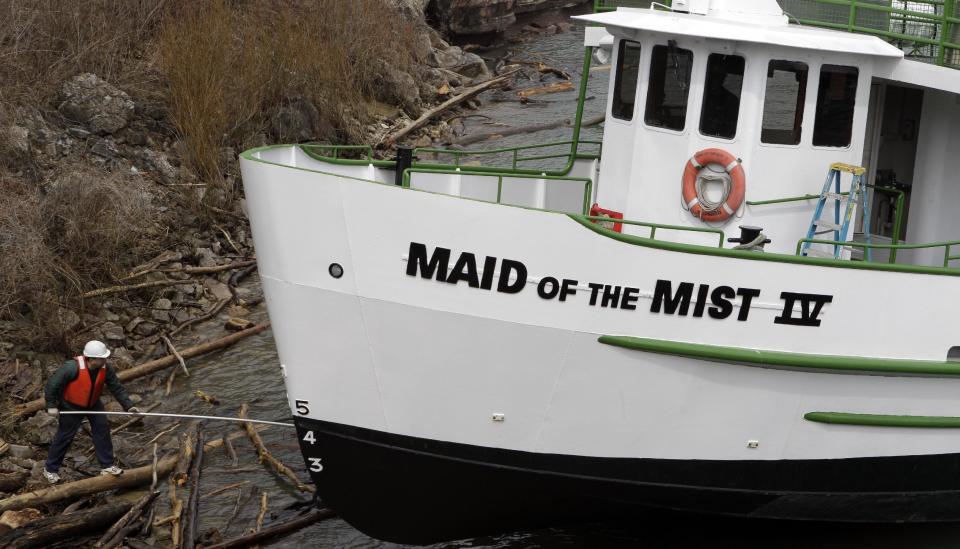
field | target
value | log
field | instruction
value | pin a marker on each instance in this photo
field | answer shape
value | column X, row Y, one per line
column 214, row 269
column 449, row 103
column 11, row 482
column 212, row 313
column 313, row 516
column 549, row 88
column 173, row 351
column 100, row 292
column 223, row 489
column 234, row 460
column 190, row 530
column 130, row 516
column 130, row 478
column 137, row 544
column 44, row 532
column 123, row 533
column 152, row 366
column 265, row 455
column 176, row 505
column 476, row 138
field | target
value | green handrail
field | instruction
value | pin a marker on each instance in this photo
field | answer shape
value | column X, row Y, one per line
column 788, row 199
column 654, row 226
column 459, row 154
column 947, row 258
column 587, row 182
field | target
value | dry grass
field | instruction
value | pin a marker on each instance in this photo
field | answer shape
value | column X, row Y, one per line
column 83, row 232
column 229, row 66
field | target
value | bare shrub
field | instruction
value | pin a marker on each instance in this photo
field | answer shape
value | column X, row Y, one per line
column 229, row 66
column 43, row 43
column 86, row 230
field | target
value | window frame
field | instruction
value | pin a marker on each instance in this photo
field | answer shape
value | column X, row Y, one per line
column 806, row 103
column 615, row 84
column 747, row 65
column 693, row 62
column 853, row 116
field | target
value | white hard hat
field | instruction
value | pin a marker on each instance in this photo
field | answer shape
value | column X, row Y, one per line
column 96, row 349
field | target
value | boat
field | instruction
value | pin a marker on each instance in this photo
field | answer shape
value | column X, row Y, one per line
column 740, row 302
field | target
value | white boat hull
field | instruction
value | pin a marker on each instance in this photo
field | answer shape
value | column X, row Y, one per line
column 486, row 401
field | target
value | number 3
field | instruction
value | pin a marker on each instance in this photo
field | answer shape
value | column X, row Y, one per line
column 315, row 465
column 302, row 407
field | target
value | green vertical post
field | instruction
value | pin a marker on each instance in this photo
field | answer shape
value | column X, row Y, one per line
column 948, row 11
column 581, row 99
column 852, row 21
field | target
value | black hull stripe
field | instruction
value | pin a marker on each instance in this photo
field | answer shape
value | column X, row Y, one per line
column 385, row 484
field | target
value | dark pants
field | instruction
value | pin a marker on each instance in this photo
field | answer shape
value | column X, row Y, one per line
column 67, row 429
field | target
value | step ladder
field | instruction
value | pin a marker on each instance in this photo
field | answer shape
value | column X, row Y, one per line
column 856, row 196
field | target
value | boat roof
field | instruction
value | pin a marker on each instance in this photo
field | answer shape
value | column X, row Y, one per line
column 739, row 30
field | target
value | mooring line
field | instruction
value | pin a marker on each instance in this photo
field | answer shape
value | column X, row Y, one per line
column 187, row 416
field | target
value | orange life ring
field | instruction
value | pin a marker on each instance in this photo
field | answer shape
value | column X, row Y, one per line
column 734, row 197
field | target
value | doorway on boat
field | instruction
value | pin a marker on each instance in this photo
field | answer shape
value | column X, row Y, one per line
column 890, row 155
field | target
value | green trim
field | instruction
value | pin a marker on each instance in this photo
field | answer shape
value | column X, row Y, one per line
column 880, row 420
column 947, row 258
column 785, row 359
column 654, row 226
column 760, row 256
column 788, row 199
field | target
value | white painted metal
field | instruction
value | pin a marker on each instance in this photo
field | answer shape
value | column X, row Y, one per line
column 383, row 350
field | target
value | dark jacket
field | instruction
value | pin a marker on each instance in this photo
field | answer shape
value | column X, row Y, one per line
column 53, row 393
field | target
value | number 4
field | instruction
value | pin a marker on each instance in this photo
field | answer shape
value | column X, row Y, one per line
column 309, row 438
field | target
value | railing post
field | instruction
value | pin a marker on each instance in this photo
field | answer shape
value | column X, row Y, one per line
column 403, row 161
column 852, row 21
column 948, row 12
column 499, row 188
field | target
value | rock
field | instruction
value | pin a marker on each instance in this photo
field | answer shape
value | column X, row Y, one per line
column 68, row 319
column 472, row 66
column 146, row 328
column 112, row 332
column 399, row 88
column 217, row 289
column 476, row 16
column 78, row 132
column 238, row 311
column 205, row 257
column 180, row 316
column 39, row 429
column 105, row 148
column 135, row 398
column 16, row 519
column 155, row 163
column 237, row 324
column 121, row 358
column 20, row 451
column 295, row 122
column 161, row 310
column 132, row 325
column 100, row 107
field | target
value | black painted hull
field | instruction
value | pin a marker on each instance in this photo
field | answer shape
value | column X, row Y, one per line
column 412, row 490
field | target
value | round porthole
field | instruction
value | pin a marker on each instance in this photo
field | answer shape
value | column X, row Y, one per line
column 335, row 270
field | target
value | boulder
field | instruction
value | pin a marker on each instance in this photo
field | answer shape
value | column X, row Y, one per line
column 217, row 289
column 20, row 451
column 467, row 17
column 295, row 122
column 96, row 104
column 399, row 88
column 15, row 143
column 472, row 66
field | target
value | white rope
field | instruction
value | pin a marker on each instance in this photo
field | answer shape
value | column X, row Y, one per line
column 187, row 416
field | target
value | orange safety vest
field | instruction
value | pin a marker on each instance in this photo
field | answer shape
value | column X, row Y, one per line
column 83, row 391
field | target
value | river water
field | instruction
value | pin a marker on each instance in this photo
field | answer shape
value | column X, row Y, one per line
column 250, row 372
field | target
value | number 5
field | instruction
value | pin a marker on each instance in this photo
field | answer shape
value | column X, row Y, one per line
column 302, row 407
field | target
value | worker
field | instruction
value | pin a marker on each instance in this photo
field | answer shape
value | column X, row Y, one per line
column 76, row 386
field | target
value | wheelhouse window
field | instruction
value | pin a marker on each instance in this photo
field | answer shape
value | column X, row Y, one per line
column 836, row 98
column 669, row 87
column 625, row 87
column 721, row 96
column 783, row 102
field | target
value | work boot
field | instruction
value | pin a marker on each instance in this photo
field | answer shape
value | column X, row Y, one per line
column 112, row 470
column 52, row 478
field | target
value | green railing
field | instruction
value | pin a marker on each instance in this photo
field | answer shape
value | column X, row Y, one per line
column 515, row 156
column 947, row 247
column 654, row 226
column 927, row 30
column 587, row 182
column 349, row 155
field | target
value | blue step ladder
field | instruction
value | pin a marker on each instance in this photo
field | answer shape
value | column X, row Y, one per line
column 855, row 197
